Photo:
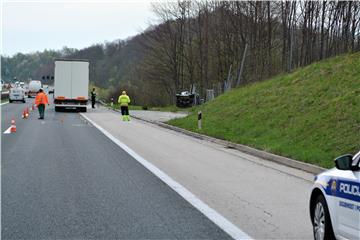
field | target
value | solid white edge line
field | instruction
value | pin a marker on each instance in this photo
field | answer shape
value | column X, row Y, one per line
column 8, row 131
column 210, row 213
column 4, row 103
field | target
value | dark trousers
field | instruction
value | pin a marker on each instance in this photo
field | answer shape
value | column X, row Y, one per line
column 124, row 110
column 41, row 109
column 93, row 102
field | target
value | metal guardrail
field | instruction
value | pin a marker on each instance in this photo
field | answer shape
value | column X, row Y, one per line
column 5, row 95
column 101, row 102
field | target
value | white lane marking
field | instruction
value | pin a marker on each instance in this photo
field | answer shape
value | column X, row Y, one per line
column 8, row 131
column 79, row 125
column 4, row 103
column 210, row 213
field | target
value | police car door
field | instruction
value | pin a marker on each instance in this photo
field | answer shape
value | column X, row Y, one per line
column 348, row 205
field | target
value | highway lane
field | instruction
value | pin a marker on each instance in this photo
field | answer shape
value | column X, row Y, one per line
column 263, row 198
column 13, row 110
column 63, row 179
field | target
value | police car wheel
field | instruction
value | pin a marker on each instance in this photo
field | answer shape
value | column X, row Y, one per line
column 321, row 220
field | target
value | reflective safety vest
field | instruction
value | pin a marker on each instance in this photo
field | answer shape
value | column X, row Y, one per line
column 124, row 100
column 41, row 98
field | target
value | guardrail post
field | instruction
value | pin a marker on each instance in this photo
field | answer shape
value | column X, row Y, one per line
column 199, row 120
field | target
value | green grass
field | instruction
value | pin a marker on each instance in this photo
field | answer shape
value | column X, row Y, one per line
column 170, row 108
column 312, row 114
column 5, row 100
column 102, row 93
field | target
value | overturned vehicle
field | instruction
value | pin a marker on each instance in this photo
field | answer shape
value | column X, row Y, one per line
column 185, row 99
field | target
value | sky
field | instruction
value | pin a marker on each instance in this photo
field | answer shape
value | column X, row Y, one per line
column 29, row 25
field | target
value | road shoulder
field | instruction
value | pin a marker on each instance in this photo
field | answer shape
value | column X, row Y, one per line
column 210, row 213
column 223, row 178
column 310, row 168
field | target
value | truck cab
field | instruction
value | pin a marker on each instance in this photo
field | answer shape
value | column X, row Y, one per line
column 34, row 87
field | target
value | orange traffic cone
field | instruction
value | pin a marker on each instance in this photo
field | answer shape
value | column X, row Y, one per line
column 13, row 126
column 27, row 112
column 24, row 113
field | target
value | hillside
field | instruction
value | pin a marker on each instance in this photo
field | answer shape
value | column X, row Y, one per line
column 312, row 114
column 203, row 44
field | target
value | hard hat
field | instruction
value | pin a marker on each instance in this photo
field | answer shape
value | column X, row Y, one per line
column 123, row 92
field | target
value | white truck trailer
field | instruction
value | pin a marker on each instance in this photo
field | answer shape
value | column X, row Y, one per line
column 71, row 84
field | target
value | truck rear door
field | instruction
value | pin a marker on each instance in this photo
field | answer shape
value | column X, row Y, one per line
column 79, row 80
column 63, row 79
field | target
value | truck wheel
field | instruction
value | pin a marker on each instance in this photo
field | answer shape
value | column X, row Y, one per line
column 321, row 221
column 10, row 101
column 23, row 101
column 57, row 109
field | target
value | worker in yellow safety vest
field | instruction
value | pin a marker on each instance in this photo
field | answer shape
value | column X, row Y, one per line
column 124, row 101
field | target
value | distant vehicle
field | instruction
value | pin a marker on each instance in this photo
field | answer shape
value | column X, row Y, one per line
column 335, row 200
column 25, row 87
column 51, row 89
column 71, row 84
column 45, row 87
column 34, row 87
column 17, row 94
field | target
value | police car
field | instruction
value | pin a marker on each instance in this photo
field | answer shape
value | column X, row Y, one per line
column 335, row 200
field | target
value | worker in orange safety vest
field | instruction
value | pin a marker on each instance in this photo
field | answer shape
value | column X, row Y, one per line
column 41, row 100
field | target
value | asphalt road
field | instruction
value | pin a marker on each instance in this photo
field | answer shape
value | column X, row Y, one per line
column 264, row 199
column 63, row 179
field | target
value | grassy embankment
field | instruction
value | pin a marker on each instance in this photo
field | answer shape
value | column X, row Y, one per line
column 312, row 114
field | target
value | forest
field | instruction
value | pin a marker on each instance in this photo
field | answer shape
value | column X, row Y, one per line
column 215, row 45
